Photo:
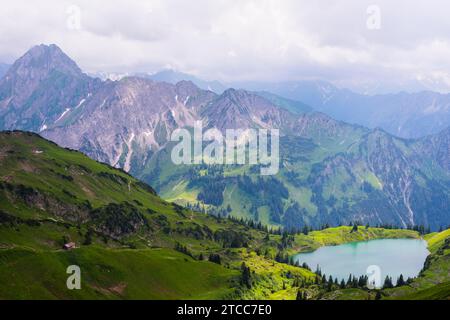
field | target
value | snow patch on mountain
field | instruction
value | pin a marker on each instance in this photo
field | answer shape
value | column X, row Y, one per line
column 63, row 114
column 127, row 165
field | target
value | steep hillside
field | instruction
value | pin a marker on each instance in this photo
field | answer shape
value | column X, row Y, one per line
column 126, row 121
column 329, row 173
column 49, row 196
column 129, row 242
column 438, row 147
column 288, row 104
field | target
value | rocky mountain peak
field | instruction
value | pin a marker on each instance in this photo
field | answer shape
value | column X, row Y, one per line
column 40, row 60
column 40, row 88
column 186, row 85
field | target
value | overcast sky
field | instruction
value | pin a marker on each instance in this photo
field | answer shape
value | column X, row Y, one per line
column 353, row 43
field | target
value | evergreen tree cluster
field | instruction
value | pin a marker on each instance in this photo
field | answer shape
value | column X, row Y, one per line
column 268, row 190
column 214, row 257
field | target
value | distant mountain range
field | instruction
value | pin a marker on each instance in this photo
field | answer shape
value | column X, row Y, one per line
column 174, row 77
column 406, row 115
column 331, row 171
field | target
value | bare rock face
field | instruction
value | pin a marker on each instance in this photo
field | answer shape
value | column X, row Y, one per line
column 124, row 122
column 40, row 88
column 236, row 109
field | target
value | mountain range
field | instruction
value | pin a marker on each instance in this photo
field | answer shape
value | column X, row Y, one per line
column 330, row 171
column 403, row 114
column 407, row 115
column 412, row 114
column 171, row 76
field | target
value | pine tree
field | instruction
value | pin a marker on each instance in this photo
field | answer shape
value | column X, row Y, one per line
column 349, row 281
column 300, row 295
column 318, row 271
column 246, row 276
column 400, row 281
column 330, row 284
column 305, row 230
column 324, row 279
column 355, row 282
column 213, row 257
column 388, row 283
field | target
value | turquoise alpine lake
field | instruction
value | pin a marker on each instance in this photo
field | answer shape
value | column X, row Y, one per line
column 390, row 257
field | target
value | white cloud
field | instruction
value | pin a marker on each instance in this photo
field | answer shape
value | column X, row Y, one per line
column 242, row 39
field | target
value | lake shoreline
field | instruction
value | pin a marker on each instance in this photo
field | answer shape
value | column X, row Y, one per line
column 392, row 257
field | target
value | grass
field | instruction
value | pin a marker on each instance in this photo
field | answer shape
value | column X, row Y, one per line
column 111, row 274
column 270, row 278
column 435, row 240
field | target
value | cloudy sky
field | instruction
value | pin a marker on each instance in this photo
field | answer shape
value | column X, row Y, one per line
column 376, row 45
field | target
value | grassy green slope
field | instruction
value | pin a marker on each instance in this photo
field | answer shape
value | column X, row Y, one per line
column 125, row 233
column 111, row 274
column 47, row 195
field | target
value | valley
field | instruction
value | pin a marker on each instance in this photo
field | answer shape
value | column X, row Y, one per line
column 130, row 244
